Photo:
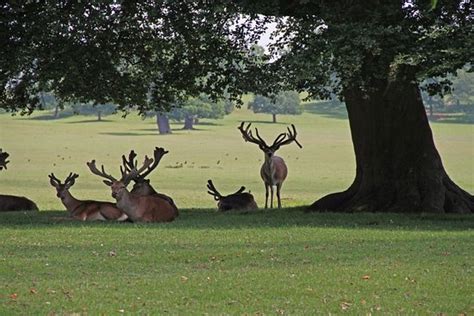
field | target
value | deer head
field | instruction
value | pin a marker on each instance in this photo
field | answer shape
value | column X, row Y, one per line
column 280, row 140
column 62, row 188
column 3, row 159
column 119, row 187
column 142, row 185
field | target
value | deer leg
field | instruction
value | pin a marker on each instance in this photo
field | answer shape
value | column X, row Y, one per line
column 278, row 194
column 271, row 196
column 266, row 195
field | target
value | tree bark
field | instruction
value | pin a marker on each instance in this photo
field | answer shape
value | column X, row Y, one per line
column 163, row 124
column 398, row 168
column 274, row 118
column 99, row 115
column 188, row 123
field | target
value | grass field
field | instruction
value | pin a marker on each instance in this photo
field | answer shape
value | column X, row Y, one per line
column 269, row 262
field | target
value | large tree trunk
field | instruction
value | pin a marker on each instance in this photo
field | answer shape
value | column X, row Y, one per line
column 163, row 124
column 398, row 166
column 274, row 118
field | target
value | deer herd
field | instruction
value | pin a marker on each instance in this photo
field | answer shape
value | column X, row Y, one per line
column 143, row 203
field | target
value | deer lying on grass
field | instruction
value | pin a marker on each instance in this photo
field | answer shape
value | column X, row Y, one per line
column 142, row 185
column 3, row 159
column 11, row 202
column 274, row 170
column 139, row 208
column 239, row 200
column 84, row 210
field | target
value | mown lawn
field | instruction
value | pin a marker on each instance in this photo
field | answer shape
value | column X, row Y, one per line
column 268, row 262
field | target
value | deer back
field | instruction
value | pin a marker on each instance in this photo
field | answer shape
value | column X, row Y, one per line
column 238, row 201
column 16, row 203
column 147, row 208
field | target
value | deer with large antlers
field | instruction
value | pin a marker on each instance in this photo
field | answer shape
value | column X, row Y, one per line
column 12, row 202
column 139, row 208
column 142, row 185
column 239, row 200
column 85, row 210
column 274, row 170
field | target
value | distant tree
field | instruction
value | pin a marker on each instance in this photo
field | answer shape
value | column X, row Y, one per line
column 201, row 107
column 285, row 102
column 98, row 110
column 462, row 90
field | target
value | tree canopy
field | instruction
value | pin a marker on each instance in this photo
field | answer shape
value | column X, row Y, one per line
column 151, row 54
column 285, row 102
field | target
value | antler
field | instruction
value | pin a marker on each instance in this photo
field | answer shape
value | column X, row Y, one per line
column 3, row 159
column 213, row 191
column 71, row 179
column 248, row 137
column 242, row 189
column 287, row 138
column 158, row 153
column 94, row 170
column 55, row 182
column 131, row 163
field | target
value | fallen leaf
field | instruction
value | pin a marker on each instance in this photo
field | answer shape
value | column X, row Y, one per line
column 13, row 296
column 366, row 277
column 345, row 306
column 184, row 279
column 33, row 291
column 112, row 253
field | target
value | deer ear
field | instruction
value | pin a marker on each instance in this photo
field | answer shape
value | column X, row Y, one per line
column 107, row 182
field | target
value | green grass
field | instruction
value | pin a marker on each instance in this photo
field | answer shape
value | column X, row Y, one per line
column 268, row 262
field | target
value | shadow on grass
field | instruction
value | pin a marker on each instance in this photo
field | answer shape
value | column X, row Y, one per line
column 452, row 118
column 289, row 217
column 330, row 109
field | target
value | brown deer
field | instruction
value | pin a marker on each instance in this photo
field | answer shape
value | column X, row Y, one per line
column 142, row 185
column 84, row 210
column 139, row 208
column 274, row 170
column 11, row 202
column 239, row 200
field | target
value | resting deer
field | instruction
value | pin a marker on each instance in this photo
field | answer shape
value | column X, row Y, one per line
column 239, row 200
column 142, row 185
column 84, row 210
column 274, row 170
column 12, row 202
column 3, row 159
column 142, row 208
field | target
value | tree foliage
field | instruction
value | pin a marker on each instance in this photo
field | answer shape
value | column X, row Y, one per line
column 152, row 54
column 146, row 55
column 285, row 102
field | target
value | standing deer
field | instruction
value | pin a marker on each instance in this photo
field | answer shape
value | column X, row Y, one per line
column 239, row 200
column 142, row 185
column 274, row 169
column 84, row 210
column 139, row 208
column 12, row 202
